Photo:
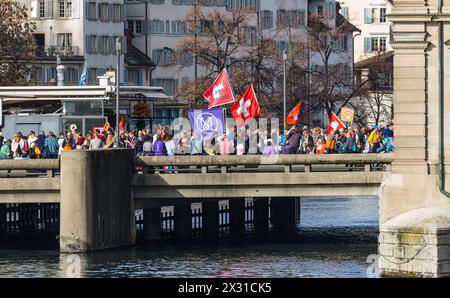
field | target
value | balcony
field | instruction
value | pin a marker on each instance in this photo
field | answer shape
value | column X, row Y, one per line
column 53, row 51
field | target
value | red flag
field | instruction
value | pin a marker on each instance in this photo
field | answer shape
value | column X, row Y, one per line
column 294, row 117
column 247, row 107
column 220, row 92
column 335, row 123
column 121, row 123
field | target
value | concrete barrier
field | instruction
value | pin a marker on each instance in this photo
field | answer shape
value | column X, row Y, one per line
column 97, row 210
column 294, row 159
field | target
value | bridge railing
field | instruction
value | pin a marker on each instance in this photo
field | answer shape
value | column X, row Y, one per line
column 249, row 163
column 28, row 168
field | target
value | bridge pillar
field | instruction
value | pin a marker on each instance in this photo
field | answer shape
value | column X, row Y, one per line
column 183, row 223
column 414, row 211
column 97, row 210
column 261, row 217
column 152, row 224
column 237, row 220
column 210, row 221
column 285, row 216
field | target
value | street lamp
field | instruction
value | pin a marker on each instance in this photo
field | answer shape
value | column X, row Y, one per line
column 118, row 52
column 285, row 58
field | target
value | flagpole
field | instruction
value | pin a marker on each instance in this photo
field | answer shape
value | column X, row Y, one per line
column 118, row 48
column 284, row 88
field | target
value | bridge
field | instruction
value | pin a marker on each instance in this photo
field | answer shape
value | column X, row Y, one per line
column 99, row 191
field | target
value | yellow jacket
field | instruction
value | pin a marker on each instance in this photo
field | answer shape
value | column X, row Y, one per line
column 372, row 138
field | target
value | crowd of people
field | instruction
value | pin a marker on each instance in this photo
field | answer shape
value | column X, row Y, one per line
column 378, row 139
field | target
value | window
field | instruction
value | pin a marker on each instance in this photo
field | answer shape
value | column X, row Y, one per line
column 157, row 26
column 169, row 85
column 92, row 75
column 290, row 18
column 103, row 12
column 64, row 41
column 69, row 9
column 163, row 57
column 91, row 44
column 266, row 19
column 65, row 8
column 71, row 76
column 382, row 46
column 62, row 7
column 179, row 27
column 374, row 15
column 138, row 26
column 319, row 10
column 91, row 13
column 117, row 12
column 250, row 36
column 185, row 58
column 42, row 9
column 130, row 25
column 375, row 44
column 344, row 12
column 383, row 18
column 104, row 45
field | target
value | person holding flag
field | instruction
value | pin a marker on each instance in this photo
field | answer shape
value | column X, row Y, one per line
column 246, row 108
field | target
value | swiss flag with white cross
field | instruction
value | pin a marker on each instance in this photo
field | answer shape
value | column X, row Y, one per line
column 335, row 123
column 247, row 107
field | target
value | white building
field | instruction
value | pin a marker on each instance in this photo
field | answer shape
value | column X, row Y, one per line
column 76, row 31
column 370, row 16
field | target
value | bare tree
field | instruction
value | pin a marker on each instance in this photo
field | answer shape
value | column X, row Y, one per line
column 329, row 77
column 17, row 45
column 375, row 103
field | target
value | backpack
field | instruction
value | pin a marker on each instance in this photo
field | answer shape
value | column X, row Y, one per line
column 26, row 147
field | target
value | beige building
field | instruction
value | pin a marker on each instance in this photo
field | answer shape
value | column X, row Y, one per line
column 415, row 199
column 76, row 31
column 371, row 17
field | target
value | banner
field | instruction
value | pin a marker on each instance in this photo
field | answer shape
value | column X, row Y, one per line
column 207, row 123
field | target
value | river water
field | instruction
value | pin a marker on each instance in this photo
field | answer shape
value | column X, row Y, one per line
column 338, row 235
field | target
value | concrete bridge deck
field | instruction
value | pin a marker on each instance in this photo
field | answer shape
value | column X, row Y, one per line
column 211, row 177
column 215, row 177
column 29, row 181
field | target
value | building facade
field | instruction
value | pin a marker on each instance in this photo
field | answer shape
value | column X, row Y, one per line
column 371, row 17
column 78, row 32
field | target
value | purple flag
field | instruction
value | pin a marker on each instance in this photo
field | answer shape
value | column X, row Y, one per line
column 207, row 123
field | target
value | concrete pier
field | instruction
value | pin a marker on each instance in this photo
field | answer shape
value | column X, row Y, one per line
column 237, row 220
column 183, row 223
column 210, row 210
column 415, row 198
column 285, row 216
column 152, row 224
column 97, row 211
column 261, row 216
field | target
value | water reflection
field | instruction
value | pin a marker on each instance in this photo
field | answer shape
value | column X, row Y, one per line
column 342, row 252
